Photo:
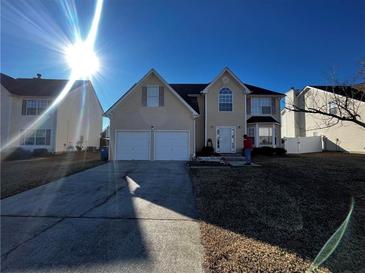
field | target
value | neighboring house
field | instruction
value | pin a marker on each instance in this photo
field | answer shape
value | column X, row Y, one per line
column 343, row 136
column 155, row 120
column 76, row 121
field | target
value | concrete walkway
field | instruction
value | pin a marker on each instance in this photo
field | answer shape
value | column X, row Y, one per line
column 123, row 216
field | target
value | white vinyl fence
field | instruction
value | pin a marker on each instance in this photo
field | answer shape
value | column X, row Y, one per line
column 300, row 145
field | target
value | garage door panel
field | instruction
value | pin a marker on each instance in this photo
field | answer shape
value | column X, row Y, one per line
column 171, row 145
column 133, row 145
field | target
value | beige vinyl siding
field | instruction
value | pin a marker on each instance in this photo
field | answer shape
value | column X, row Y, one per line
column 6, row 103
column 199, row 123
column 20, row 122
column 130, row 114
column 79, row 114
column 236, row 118
column 345, row 136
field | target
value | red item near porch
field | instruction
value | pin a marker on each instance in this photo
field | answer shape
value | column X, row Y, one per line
column 247, row 143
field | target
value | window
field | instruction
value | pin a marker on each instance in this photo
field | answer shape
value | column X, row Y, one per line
column 42, row 106
column 29, row 138
column 261, row 106
column 332, row 108
column 265, row 135
column 34, row 107
column 153, row 96
column 251, row 133
column 37, row 137
column 225, row 100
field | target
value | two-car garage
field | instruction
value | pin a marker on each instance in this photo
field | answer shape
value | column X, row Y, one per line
column 152, row 145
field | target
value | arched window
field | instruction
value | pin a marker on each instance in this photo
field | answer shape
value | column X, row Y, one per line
column 225, row 99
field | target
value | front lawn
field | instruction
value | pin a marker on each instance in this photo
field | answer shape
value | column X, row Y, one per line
column 277, row 217
column 18, row 176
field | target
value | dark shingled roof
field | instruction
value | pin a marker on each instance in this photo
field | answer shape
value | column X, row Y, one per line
column 35, row 86
column 346, row 91
column 261, row 91
column 261, row 119
column 184, row 89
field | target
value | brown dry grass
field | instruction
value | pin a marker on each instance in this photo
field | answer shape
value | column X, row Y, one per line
column 18, row 176
column 277, row 217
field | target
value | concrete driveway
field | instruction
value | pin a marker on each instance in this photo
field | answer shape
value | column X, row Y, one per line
column 124, row 216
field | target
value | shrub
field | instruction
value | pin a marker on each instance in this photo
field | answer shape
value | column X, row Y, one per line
column 19, row 154
column 40, row 152
column 280, row 151
column 268, row 151
column 78, row 148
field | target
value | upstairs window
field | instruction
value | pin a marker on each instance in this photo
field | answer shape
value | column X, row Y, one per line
column 225, row 100
column 152, row 96
column 261, row 106
column 332, row 108
column 34, row 107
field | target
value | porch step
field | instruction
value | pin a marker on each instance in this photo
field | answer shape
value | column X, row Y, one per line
column 234, row 158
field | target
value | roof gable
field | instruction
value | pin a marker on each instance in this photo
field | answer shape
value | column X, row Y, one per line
column 226, row 70
column 153, row 72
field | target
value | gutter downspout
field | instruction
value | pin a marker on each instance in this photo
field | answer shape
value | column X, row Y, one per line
column 205, row 118
column 194, row 138
column 245, row 118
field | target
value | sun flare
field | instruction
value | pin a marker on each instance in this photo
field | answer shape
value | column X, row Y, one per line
column 82, row 59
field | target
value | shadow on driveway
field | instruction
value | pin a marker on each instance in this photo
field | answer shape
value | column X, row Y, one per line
column 120, row 217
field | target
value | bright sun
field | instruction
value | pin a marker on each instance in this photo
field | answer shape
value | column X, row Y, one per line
column 82, row 59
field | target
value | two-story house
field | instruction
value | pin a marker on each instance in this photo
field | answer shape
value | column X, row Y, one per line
column 76, row 121
column 338, row 135
column 155, row 120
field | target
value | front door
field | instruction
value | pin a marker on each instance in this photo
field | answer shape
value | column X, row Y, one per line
column 225, row 139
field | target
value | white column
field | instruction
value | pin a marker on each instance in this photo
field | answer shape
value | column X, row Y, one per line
column 257, row 135
column 273, row 135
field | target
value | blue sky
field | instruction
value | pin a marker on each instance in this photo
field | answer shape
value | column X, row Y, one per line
column 272, row 44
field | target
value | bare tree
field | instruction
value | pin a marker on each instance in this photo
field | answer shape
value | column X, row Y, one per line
column 340, row 102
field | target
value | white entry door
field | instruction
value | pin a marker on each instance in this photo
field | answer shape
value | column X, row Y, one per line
column 133, row 145
column 226, row 139
column 171, row 145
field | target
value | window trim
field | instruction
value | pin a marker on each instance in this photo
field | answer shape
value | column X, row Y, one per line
column 158, row 95
column 219, row 93
column 253, row 128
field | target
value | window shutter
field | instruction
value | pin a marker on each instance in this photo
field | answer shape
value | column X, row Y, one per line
column 144, row 96
column 161, row 97
column 274, row 107
column 24, row 107
column 249, row 106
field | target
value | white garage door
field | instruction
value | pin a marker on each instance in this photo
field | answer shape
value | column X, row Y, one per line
column 133, row 145
column 171, row 145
